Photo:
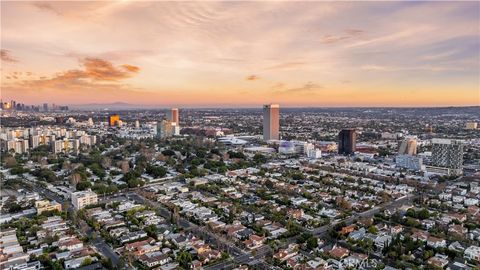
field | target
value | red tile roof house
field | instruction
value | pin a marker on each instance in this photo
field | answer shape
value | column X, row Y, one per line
column 436, row 242
column 473, row 210
column 437, row 262
column 209, row 255
column 285, row 254
column 458, row 216
column 457, row 230
column 293, row 263
column 420, row 235
column 254, row 241
column 339, row 252
column 135, row 245
column 295, row 213
column 348, row 229
column 70, row 244
column 396, row 229
column 147, row 248
column 155, row 258
column 233, row 229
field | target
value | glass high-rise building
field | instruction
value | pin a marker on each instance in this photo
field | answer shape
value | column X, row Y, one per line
column 347, row 139
column 173, row 116
column 271, row 122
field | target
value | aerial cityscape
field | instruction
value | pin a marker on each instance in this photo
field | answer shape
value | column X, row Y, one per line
column 240, row 135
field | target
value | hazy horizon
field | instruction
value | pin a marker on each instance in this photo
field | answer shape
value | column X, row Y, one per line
column 242, row 54
column 256, row 106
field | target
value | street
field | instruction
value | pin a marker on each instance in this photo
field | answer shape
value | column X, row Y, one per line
column 84, row 229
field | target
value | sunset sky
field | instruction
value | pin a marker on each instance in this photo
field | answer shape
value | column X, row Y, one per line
column 240, row 54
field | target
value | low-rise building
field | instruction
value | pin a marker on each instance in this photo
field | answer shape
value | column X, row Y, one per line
column 45, row 205
column 80, row 199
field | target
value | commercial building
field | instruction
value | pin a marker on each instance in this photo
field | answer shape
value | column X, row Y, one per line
column 448, row 154
column 286, row 147
column 314, row 153
column 259, row 149
column 167, row 129
column 113, row 120
column 408, row 146
column 80, row 199
column 471, row 125
column 271, row 122
column 173, row 116
column 409, row 162
column 45, row 205
column 347, row 140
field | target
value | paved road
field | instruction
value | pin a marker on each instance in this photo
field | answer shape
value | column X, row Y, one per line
column 242, row 257
column 323, row 230
column 98, row 242
column 239, row 256
column 367, row 214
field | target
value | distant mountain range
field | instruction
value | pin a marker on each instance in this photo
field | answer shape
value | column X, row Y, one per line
column 111, row 106
column 128, row 106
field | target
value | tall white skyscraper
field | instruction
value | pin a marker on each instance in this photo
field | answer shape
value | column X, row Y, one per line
column 271, row 122
column 448, row 154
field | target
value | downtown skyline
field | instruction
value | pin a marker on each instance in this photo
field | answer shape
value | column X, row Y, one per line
column 242, row 54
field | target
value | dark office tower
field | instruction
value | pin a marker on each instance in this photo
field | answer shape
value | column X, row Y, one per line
column 59, row 120
column 346, row 141
column 45, row 107
column 14, row 104
column 271, row 122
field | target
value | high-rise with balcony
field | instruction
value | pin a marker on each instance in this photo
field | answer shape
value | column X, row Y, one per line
column 271, row 122
column 448, row 154
column 408, row 146
column 166, row 129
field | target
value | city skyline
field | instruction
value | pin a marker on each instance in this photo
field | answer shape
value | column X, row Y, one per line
column 242, row 54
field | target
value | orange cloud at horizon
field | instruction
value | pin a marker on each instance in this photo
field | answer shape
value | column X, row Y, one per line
column 108, row 93
column 241, row 53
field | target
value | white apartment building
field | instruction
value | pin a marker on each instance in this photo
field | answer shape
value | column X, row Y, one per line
column 80, row 199
column 409, row 162
column 471, row 125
